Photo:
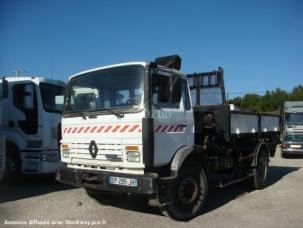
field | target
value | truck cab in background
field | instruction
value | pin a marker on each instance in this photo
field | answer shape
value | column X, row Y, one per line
column 292, row 139
column 30, row 121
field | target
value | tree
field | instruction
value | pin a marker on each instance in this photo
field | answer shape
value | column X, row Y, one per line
column 270, row 101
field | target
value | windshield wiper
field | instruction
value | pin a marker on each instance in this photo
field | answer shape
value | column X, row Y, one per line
column 82, row 115
column 119, row 115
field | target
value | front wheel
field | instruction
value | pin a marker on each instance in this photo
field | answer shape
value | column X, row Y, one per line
column 187, row 193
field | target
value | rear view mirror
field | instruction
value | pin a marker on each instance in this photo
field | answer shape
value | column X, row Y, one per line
column 4, row 89
column 29, row 96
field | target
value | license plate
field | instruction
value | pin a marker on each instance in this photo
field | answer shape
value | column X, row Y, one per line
column 123, row 181
column 295, row 146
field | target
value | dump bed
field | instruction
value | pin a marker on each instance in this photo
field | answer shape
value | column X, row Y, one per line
column 246, row 123
column 208, row 99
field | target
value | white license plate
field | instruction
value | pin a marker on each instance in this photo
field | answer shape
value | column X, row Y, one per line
column 123, row 181
column 295, row 146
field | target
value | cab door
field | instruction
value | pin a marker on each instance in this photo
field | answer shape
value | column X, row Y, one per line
column 169, row 116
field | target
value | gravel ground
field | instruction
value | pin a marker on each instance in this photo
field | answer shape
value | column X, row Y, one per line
column 43, row 200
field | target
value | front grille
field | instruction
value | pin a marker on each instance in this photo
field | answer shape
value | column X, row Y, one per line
column 111, row 152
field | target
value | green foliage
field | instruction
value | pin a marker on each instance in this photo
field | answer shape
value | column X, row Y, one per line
column 270, row 101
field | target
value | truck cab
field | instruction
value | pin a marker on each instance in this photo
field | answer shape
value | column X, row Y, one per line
column 292, row 141
column 147, row 128
column 30, row 120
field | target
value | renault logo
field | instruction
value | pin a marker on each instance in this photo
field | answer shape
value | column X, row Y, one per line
column 93, row 149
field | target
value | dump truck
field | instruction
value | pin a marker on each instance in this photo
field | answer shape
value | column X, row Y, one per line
column 162, row 133
column 30, row 119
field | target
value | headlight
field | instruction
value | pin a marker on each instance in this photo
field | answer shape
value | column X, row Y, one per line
column 133, row 156
column 49, row 157
column 65, row 153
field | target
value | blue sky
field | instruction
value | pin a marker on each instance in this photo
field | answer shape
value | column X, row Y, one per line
column 258, row 43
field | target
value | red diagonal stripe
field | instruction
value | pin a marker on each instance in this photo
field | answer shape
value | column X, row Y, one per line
column 100, row 129
column 116, row 128
column 65, row 129
column 124, row 128
column 86, row 129
column 133, row 128
column 75, row 129
column 108, row 128
column 158, row 128
column 93, row 129
column 164, row 128
column 170, row 128
column 69, row 130
column 80, row 129
column 177, row 128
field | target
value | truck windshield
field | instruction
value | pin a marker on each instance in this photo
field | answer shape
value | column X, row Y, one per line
column 293, row 138
column 294, row 118
column 112, row 88
column 52, row 97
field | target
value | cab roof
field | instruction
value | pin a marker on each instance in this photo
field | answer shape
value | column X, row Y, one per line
column 144, row 64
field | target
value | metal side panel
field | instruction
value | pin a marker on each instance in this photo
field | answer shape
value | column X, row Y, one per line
column 2, row 155
column 243, row 123
column 270, row 123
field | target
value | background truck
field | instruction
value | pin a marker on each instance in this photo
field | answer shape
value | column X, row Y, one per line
column 292, row 142
column 162, row 133
column 31, row 109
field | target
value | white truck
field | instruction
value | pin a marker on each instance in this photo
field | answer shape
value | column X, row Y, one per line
column 159, row 132
column 292, row 142
column 31, row 109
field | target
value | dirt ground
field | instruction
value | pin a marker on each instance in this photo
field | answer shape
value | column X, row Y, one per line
column 38, row 201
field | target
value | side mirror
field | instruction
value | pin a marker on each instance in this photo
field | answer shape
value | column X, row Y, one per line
column 29, row 96
column 4, row 89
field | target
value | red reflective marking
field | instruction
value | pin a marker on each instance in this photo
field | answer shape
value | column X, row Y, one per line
column 93, row 129
column 108, row 128
column 170, row 128
column 158, row 128
column 164, row 128
column 176, row 128
column 86, row 129
column 75, row 129
column 100, row 129
column 124, row 128
column 116, row 128
column 80, row 129
column 69, row 130
column 65, row 129
column 133, row 128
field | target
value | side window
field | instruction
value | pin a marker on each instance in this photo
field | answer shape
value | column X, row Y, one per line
column 185, row 95
column 166, row 91
column 25, row 99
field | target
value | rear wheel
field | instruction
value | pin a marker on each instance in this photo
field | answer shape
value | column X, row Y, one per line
column 187, row 193
column 105, row 197
column 260, row 172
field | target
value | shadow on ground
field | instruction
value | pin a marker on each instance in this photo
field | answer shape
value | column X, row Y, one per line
column 30, row 186
column 217, row 196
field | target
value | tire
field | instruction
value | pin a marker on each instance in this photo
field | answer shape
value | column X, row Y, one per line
column 187, row 193
column 260, row 172
column 105, row 197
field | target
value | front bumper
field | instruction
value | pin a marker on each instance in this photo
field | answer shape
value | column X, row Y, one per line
column 100, row 180
column 292, row 151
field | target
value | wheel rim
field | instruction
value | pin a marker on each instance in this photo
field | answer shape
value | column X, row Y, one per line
column 188, row 191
